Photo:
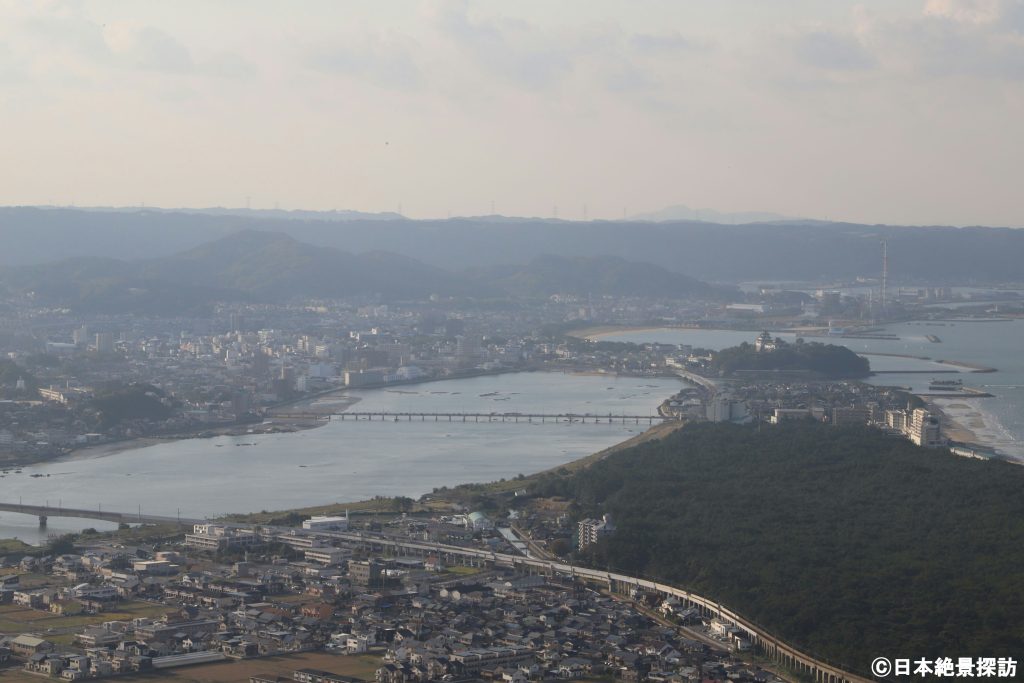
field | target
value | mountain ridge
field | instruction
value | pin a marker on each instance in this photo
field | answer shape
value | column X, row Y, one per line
column 790, row 251
column 256, row 265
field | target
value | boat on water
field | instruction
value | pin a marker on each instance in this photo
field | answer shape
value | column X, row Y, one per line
column 945, row 385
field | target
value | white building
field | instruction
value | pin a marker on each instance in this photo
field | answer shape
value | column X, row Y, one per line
column 923, row 429
column 90, row 592
column 326, row 523
column 216, row 537
column 783, row 414
column 409, row 372
column 327, row 556
column 478, row 521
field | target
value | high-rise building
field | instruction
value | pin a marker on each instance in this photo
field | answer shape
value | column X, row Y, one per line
column 896, row 420
column 923, row 428
column 590, row 531
column 104, row 342
column 81, row 336
column 850, row 416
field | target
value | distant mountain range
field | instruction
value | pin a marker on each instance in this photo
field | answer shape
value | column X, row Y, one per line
column 258, row 266
column 779, row 251
column 598, row 276
column 269, row 265
column 681, row 212
column 270, row 214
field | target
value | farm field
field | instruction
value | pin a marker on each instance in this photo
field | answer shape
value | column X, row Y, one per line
column 239, row 671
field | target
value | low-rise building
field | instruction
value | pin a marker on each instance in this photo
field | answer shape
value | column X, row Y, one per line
column 27, row 645
column 328, row 556
column 216, row 537
column 326, row 523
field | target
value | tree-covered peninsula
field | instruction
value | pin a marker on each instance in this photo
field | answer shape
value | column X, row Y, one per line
column 846, row 542
column 826, row 361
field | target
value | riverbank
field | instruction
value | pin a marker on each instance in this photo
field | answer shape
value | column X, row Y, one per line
column 301, row 414
column 361, row 459
column 595, row 332
column 444, row 500
column 322, row 403
column 277, row 426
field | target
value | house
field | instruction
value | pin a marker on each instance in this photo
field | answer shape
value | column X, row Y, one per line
column 43, row 663
column 394, row 673
column 33, row 599
column 66, row 608
column 27, row 645
column 317, row 676
column 320, row 611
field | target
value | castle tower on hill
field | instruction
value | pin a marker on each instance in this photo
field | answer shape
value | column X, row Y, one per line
column 764, row 342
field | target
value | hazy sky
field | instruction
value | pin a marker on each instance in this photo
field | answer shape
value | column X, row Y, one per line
column 901, row 111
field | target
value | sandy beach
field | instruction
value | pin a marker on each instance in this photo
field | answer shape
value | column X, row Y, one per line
column 966, row 422
column 325, row 404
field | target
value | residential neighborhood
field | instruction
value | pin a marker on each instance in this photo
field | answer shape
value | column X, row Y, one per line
column 225, row 593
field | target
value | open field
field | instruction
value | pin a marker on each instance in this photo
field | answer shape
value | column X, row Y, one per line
column 239, row 671
column 372, row 506
column 362, row 666
column 18, row 619
column 463, row 571
column 33, row 580
column 10, row 546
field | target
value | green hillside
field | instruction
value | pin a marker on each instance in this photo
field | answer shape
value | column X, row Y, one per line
column 846, row 542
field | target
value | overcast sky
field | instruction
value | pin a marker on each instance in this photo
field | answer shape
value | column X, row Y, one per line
column 898, row 111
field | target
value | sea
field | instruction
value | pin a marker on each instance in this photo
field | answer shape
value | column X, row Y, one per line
column 997, row 421
column 343, row 460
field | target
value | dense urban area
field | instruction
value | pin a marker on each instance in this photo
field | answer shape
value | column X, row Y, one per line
column 385, row 592
column 70, row 380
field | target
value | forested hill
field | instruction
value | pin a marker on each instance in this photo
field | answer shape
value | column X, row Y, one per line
column 820, row 360
column 846, row 542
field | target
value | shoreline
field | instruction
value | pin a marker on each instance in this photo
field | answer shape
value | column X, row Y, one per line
column 333, row 404
column 277, row 425
column 962, row 423
column 605, row 330
column 115, row 447
column 281, row 423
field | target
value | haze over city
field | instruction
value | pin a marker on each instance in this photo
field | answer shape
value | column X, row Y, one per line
column 901, row 112
column 523, row 341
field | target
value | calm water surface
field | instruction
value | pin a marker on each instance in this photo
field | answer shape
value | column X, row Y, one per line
column 346, row 461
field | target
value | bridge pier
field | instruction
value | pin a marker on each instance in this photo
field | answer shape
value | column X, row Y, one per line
column 42, row 521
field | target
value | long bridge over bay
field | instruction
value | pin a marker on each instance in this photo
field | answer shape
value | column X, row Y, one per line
column 580, row 418
column 44, row 512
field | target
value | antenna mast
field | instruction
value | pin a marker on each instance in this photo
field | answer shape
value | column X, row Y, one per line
column 885, row 275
